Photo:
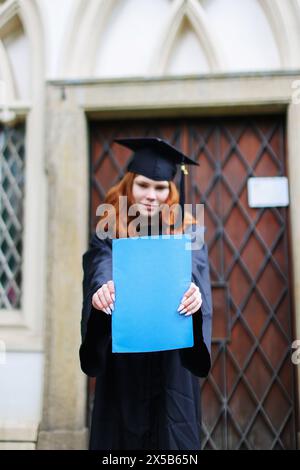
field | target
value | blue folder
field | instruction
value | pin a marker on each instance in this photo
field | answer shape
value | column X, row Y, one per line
column 150, row 274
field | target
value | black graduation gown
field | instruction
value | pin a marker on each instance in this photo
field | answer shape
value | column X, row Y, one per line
column 147, row 401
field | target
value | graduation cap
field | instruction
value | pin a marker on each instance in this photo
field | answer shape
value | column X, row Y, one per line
column 157, row 160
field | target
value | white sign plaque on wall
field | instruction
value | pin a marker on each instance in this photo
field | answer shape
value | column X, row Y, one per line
column 271, row 191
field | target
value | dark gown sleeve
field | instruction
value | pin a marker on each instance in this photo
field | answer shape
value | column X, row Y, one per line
column 95, row 324
column 198, row 358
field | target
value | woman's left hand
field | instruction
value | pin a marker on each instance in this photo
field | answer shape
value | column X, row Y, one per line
column 191, row 301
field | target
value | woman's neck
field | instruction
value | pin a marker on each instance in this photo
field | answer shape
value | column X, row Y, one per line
column 151, row 225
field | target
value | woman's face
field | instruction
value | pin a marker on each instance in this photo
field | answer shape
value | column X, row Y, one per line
column 149, row 194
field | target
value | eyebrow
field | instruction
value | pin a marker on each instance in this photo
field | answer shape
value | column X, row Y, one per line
column 163, row 185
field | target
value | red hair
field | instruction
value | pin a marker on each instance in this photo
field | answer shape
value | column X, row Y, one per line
column 124, row 188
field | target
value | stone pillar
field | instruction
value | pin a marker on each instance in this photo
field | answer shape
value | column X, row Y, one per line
column 63, row 423
column 293, row 141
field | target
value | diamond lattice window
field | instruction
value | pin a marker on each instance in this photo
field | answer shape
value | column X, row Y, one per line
column 12, row 160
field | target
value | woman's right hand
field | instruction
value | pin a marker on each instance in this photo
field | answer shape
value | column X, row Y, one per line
column 104, row 297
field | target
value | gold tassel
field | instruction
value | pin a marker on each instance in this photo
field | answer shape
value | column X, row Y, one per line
column 184, row 169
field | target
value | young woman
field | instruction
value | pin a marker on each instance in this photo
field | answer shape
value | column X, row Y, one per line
column 147, row 400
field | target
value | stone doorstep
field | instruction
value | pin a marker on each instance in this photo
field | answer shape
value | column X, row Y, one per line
column 17, row 445
column 12, row 432
column 63, row 439
column 27, row 436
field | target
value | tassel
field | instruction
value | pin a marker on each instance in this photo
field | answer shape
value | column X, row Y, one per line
column 182, row 188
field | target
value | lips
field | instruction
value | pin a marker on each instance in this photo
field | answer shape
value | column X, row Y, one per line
column 148, row 206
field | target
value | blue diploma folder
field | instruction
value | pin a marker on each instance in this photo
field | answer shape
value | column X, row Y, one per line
column 150, row 274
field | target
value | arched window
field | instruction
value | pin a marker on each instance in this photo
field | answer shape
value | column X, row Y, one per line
column 21, row 174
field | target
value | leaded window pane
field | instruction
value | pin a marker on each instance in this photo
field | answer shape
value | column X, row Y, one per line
column 12, row 166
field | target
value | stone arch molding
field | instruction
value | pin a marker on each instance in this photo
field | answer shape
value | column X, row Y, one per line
column 284, row 20
column 79, row 60
column 9, row 12
column 26, row 12
column 89, row 20
column 192, row 11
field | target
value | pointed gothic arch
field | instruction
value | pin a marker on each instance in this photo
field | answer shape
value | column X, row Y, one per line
column 80, row 50
column 284, row 20
column 23, row 14
column 194, row 14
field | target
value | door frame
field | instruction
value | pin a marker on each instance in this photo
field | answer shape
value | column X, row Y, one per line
column 70, row 105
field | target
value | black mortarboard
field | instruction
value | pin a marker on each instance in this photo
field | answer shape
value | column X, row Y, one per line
column 157, row 159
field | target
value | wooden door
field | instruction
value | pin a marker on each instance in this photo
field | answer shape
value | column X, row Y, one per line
column 248, row 399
